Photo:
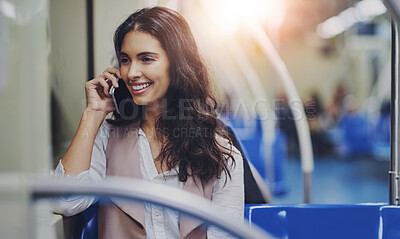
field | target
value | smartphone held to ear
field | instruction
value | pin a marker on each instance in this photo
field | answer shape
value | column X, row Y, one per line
column 123, row 101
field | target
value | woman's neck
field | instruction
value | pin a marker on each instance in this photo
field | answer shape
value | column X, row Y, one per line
column 148, row 123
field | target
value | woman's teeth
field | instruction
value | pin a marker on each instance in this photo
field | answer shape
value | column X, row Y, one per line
column 139, row 87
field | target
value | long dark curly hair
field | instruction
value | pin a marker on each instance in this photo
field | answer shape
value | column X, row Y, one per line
column 191, row 134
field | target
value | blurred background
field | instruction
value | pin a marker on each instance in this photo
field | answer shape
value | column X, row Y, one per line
column 274, row 63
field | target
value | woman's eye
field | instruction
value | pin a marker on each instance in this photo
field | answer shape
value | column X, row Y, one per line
column 124, row 60
column 147, row 59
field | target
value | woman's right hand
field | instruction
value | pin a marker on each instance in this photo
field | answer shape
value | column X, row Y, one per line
column 99, row 103
column 97, row 96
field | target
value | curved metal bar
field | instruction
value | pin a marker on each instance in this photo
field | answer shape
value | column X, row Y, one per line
column 137, row 190
column 393, row 9
column 394, row 126
column 295, row 104
column 257, row 89
column 261, row 184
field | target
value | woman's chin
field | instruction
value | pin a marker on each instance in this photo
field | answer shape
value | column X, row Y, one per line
column 143, row 102
column 140, row 102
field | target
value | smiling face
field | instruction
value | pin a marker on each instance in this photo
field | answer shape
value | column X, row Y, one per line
column 144, row 67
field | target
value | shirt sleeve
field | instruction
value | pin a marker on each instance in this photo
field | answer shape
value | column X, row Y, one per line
column 230, row 196
column 72, row 205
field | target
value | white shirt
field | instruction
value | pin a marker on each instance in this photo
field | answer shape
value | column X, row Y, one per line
column 161, row 223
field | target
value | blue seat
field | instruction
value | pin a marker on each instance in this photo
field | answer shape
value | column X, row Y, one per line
column 252, row 142
column 364, row 221
column 357, row 136
column 82, row 225
column 280, row 160
column 251, row 139
column 381, row 145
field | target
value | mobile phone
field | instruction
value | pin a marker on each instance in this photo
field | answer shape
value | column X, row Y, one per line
column 123, row 101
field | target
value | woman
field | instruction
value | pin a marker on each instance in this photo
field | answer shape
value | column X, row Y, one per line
column 177, row 141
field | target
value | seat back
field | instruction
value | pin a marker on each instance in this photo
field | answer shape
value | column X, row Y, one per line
column 82, row 225
column 367, row 221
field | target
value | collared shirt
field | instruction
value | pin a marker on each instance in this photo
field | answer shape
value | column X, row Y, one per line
column 161, row 223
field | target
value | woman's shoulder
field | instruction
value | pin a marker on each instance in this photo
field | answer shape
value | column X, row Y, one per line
column 105, row 125
column 224, row 141
column 103, row 132
column 227, row 147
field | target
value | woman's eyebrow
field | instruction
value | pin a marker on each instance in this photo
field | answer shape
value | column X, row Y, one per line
column 123, row 54
column 147, row 53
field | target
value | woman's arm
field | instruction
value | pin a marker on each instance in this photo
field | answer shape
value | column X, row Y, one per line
column 229, row 197
column 85, row 159
column 99, row 103
column 77, row 158
column 72, row 205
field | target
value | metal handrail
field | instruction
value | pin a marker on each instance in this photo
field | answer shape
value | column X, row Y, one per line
column 394, row 174
column 295, row 104
column 394, row 121
column 393, row 9
column 131, row 189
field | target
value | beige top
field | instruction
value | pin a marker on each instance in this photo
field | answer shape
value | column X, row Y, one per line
column 160, row 222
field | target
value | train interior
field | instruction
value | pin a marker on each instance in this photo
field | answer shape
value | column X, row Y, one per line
column 309, row 89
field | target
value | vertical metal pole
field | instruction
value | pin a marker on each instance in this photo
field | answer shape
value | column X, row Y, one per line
column 90, row 38
column 394, row 130
column 307, row 179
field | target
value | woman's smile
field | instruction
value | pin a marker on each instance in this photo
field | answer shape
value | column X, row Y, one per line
column 140, row 88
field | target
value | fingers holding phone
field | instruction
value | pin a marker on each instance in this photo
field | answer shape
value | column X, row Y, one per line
column 112, row 75
column 97, row 91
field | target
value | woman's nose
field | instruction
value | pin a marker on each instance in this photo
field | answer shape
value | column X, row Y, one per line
column 134, row 71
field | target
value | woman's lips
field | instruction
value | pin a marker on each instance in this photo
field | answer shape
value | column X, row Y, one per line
column 140, row 88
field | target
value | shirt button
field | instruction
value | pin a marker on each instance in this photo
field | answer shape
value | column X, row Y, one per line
column 157, row 213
